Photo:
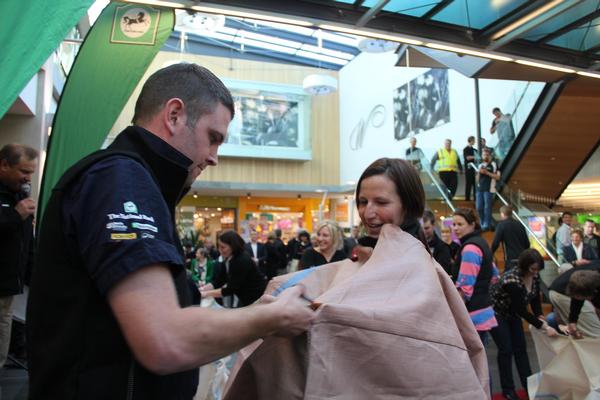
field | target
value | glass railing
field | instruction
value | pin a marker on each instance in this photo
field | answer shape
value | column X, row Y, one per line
column 433, row 186
column 539, row 227
column 516, row 109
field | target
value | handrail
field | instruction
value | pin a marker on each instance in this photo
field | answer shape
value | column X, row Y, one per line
column 542, row 245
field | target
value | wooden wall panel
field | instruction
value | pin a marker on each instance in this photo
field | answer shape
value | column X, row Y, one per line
column 323, row 169
column 563, row 143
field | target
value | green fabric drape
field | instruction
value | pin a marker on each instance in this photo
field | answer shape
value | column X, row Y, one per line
column 30, row 31
column 113, row 58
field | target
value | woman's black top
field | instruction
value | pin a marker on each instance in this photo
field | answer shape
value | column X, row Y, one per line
column 312, row 258
column 241, row 277
column 510, row 297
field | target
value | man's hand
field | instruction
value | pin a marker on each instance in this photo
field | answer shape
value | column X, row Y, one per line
column 26, row 207
column 583, row 261
column 572, row 330
column 294, row 314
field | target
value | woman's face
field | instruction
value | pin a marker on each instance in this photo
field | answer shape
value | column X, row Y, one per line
column 324, row 239
column 225, row 249
column 446, row 236
column 533, row 270
column 461, row 227
column 378, row 204
column 199, row 255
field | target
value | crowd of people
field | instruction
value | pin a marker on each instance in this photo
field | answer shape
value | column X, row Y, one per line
column 112, row 310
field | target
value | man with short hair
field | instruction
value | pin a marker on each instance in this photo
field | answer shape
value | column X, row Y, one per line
column 512, row 235
column 563, row 234
column 108, row 313
column 578, row 253
column 256, row 250
column 414, row 154
column 470, row 157
column 570, row 307
column 17, row 210
column 488, row 175
column 448, row 167
column 439, row 249
column 590, row 238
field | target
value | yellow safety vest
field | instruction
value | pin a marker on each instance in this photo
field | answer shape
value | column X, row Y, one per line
column 447, row 161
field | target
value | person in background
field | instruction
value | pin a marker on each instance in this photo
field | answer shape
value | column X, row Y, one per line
column 314, row 241
column 18, row 163
column 439, row 249
column 414, row 155
column 486, row 187
column 331, row 245
column 470, row 157
column 256, row 250
column 281, row 249
column 474, row 270
column 204, row 267
column 502, row 125
column 590, row 238
column 350, row 242
column 570, row 305
column 512, row 235
column 273, row 256
column 209, row 245
column 563, row 234
column 240, row 277
column 452, row 245
column 449, row 166
column 578, row 253
column 517, row 288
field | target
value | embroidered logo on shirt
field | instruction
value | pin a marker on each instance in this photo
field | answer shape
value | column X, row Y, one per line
column 146, row 235
column 123, row 236
column 130, row 207
column 147, row 227
column 116, row 226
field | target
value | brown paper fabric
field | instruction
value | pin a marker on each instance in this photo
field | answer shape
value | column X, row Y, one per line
column 394, row 327
column 569, row 368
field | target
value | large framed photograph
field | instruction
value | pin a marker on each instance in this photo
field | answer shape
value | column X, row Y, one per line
column 271, row 121
column 421, row 104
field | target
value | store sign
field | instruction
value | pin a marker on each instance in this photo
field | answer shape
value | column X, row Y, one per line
column 272, row 208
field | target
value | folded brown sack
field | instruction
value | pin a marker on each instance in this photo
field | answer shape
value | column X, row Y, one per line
column 394, row 327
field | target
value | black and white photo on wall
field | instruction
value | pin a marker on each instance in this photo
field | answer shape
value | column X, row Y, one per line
column 421, row 104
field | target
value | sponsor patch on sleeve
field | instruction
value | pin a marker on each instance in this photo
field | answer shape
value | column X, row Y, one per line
column 123, row 236
column 146, row 227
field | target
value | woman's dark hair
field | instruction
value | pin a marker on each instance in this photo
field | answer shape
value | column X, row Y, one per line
column 233, row 240
column 305, row 234
column 470, row 215
column 407, row 182
column 527, row 258
column 408, row 187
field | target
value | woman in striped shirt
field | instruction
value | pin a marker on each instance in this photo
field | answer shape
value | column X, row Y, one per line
column 474, row 271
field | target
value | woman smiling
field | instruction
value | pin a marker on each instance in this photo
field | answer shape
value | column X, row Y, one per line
column 329, row 238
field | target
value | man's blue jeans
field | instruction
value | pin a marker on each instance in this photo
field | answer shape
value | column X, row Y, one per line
column 483, row 203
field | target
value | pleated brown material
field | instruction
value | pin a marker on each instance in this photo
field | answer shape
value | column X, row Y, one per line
column 392, row 328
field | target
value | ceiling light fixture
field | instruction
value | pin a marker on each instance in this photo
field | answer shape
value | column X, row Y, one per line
column 526, row 19
column 467, row 51
column 546, row 66
column 368, row 33
column 588, row 74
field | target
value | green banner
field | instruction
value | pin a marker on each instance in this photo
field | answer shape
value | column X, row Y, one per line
column 113, row 58
column 30, row 31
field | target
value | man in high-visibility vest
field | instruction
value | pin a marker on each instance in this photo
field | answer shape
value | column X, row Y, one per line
column 448, row 166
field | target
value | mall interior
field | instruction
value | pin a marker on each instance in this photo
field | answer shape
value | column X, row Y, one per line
column 322, row 88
